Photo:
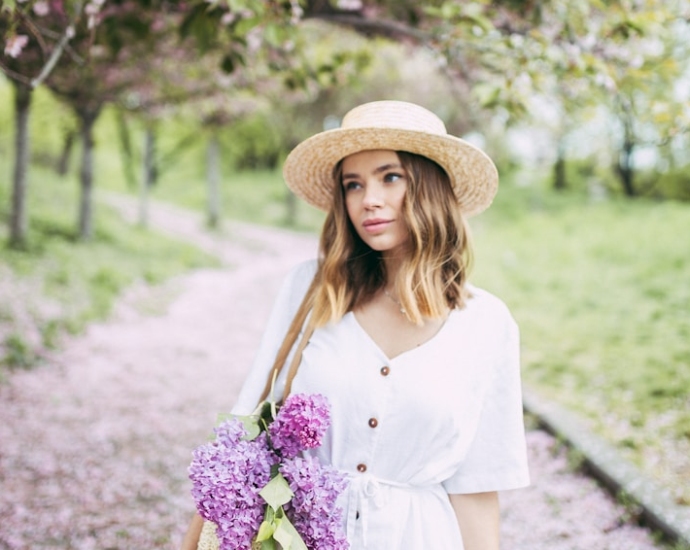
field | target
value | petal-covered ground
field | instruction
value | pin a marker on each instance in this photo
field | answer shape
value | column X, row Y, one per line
column 94, row 445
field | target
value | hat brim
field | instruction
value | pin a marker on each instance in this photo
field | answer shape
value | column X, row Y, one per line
column 308, row 169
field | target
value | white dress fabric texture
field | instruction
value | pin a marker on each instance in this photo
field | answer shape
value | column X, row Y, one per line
column 444, row 417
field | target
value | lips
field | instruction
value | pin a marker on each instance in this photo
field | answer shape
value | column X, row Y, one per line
column 375, row 225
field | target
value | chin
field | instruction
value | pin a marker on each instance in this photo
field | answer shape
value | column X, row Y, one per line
column 379, row 247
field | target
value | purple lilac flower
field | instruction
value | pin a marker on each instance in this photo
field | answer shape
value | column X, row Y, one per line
column 313, row 510
column 227, row 476
column 300, row 424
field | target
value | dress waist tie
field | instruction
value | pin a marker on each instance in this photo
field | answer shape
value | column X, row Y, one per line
column 365, row 490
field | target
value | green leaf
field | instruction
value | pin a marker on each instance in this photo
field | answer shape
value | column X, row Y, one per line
column 266, row 530
column 243, row 26
column 487, row 94
column 272, row 400
column 277, row 492
column 273, row 35
column 449, row 10
column 433, row 11
column 483, row 22
column 287, row 535
column 250, row 422
column 267, row 412
column 202, row 23
column 222, row 417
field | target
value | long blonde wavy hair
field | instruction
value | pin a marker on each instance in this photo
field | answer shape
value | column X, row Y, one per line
column 432, row 276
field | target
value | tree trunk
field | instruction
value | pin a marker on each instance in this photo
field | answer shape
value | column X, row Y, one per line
column 147, row 176
column 213, row 181
column 67, row 146
column 87, row 118
column 624, row 167
column 18, row 216
column 626, row 172
column 559, row 181
column 126, row 150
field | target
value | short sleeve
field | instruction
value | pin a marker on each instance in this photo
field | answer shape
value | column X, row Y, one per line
column 284, row 309
column 497, row 456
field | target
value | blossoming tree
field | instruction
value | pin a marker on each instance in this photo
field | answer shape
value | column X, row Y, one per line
column 501, row 52
column 36, row 34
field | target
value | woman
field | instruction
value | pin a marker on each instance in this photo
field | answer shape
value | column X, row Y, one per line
column 420, row 368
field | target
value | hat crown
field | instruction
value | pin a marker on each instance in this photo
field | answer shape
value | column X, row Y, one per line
column 394, row 114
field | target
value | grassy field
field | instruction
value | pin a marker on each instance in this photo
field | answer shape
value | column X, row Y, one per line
column 601, row 292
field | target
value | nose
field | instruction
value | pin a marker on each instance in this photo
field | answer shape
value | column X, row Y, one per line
column 373, row 197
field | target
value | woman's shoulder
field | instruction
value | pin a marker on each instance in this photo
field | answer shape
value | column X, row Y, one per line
column 484, row 303
column 301, row 274
column 296, row 283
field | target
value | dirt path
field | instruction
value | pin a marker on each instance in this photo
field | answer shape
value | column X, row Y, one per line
column 94, row 446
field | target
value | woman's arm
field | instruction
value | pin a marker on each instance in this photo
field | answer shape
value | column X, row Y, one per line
column 191, row 539
column 479, row 517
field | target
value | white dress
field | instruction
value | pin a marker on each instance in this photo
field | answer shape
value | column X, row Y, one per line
column 445, row 417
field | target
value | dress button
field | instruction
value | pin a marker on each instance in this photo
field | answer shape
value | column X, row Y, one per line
column 385, row 371
column 373, row 422
column 361, row 468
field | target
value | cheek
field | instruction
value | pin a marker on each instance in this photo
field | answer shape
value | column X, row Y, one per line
column 350, row 207
column 400, row 198
column 401, row 210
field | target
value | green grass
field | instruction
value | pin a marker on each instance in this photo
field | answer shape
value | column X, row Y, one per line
column 601, row 292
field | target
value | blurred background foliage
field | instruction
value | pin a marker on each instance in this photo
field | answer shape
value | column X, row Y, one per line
column 585, row 107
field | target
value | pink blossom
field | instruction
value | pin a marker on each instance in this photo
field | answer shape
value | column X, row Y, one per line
column 41, row 8
column 300, row 425
column 92, row 8
column 228, row 18
column 15, row 45
column 314, row 509
column 227, row 476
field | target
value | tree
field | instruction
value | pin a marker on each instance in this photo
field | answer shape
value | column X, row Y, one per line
column 642, row 102
column 501, row 52
column 575, row 57
column 117, row 60
column 636, row 59
column 36, row 34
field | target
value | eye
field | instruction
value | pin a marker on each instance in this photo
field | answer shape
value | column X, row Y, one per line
column 392, row 177
column 351, row 185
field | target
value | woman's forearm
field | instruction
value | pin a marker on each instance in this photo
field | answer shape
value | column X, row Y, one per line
column 191, row 538
column 479, row 518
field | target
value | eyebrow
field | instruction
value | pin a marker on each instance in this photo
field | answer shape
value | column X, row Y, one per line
column 380, row 169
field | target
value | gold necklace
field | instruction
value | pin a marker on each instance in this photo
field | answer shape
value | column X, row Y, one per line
column 397, row 302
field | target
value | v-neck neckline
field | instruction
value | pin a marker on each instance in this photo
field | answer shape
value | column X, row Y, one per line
column 424, row 344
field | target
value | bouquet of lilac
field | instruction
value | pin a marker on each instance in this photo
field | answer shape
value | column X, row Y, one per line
column 252, row 483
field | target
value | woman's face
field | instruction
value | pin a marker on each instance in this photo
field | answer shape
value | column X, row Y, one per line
column 374, row 184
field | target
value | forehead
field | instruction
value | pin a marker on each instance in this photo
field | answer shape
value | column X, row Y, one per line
column 366, row 161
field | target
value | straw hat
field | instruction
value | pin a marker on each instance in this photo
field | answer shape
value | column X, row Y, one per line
column 397, row 126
